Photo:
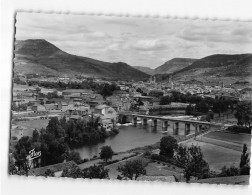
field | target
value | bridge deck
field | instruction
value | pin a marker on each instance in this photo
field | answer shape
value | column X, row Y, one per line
column 173, row 119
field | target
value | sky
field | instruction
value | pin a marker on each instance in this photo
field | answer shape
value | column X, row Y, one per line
column 138, row 41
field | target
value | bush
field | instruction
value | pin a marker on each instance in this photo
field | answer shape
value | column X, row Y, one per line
column 156, row 157
column 245, row 170
column 239, row 129
column 85, row 160
column 167, row 146
column 147, row 153
column 227, row 172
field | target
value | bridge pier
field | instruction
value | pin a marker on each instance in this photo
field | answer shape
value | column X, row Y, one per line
column 135, row 121
column 144, row 121
column 165, row 125
column 175, row 128
column 200, row 128
column 196, row 130
column 187, row 128
column 154, row 122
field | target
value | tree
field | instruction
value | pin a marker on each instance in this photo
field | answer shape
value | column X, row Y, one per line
column 228, row 172
column 73, row 171
column 95, row 172
column 35, row 135
column 202, row 106
column 22, row 149
column 195, row 165
column 74, row 156
column 132, row 169
column 181, row 156
column 106, row 153
column 165, row 100
column 167, row 146
column 48, row 173
column 189, row 110
column 243, row 113
column 156, row 93
column 54, row 128
column 92, row 172
column 244, row 163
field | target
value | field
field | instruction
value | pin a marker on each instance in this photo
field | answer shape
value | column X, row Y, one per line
column 235, row 138
column 221, row 149
column 217, row 156
column 29, row 126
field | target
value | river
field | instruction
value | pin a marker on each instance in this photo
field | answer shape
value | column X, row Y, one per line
column 130, row 137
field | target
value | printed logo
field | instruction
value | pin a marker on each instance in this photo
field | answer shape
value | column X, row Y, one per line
column 33, row 154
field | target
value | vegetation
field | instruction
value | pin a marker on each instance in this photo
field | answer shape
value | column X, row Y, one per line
column 195, row 165
column 156, row 93
column 93, row 172
column 243, row 113
column 244, row 163
column 168, row 145
column 239, row 129
column 202, row 105
column 53, row 142
column 17, row 80
column 104, row 89
column 106, row 153
column 132, row 169
column 21, row 107
column 48, row 173
column 74, row 156
column 228, row 172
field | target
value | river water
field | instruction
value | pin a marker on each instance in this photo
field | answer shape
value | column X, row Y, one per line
column 131, row 137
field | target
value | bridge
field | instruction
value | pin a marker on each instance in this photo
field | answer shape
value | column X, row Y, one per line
column 176, row 122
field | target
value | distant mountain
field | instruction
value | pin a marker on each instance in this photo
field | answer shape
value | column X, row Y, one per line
column 218, row 67
column 40, row 56
column 146, row 70
column 174, row 65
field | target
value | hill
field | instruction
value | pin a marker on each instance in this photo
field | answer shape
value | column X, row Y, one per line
column 218, row 68
column 40, row 56
column 174, row 65
column 146, row 70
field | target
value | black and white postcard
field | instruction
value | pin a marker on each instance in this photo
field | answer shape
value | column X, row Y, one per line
column 131, row 98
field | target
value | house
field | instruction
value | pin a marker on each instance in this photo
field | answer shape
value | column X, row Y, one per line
column 76, row 92
column 107, row 115
column 18, row 102
column 94, row 103
column 39, row 108
column 52, row 106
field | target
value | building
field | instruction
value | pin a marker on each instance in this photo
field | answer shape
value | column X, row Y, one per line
column 76, row 92
column 108, row 116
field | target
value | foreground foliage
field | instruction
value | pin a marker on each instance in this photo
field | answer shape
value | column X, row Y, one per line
column 132, row 169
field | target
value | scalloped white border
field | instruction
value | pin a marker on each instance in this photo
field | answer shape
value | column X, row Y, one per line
column 225, row 10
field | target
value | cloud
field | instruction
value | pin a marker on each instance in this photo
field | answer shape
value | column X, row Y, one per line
column 218, row 34
column 150, row 45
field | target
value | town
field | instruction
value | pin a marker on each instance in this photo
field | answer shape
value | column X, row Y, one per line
column 85, row 111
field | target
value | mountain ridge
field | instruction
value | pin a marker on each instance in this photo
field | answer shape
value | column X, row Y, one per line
column 44, row 54
column 174, row 65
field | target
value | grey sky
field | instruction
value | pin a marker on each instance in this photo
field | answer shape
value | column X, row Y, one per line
column 137, row 41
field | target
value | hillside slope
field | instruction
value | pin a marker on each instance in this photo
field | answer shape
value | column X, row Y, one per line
column 146, row 70
column 34, row 56
column 174, row 65
column 219, row 67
